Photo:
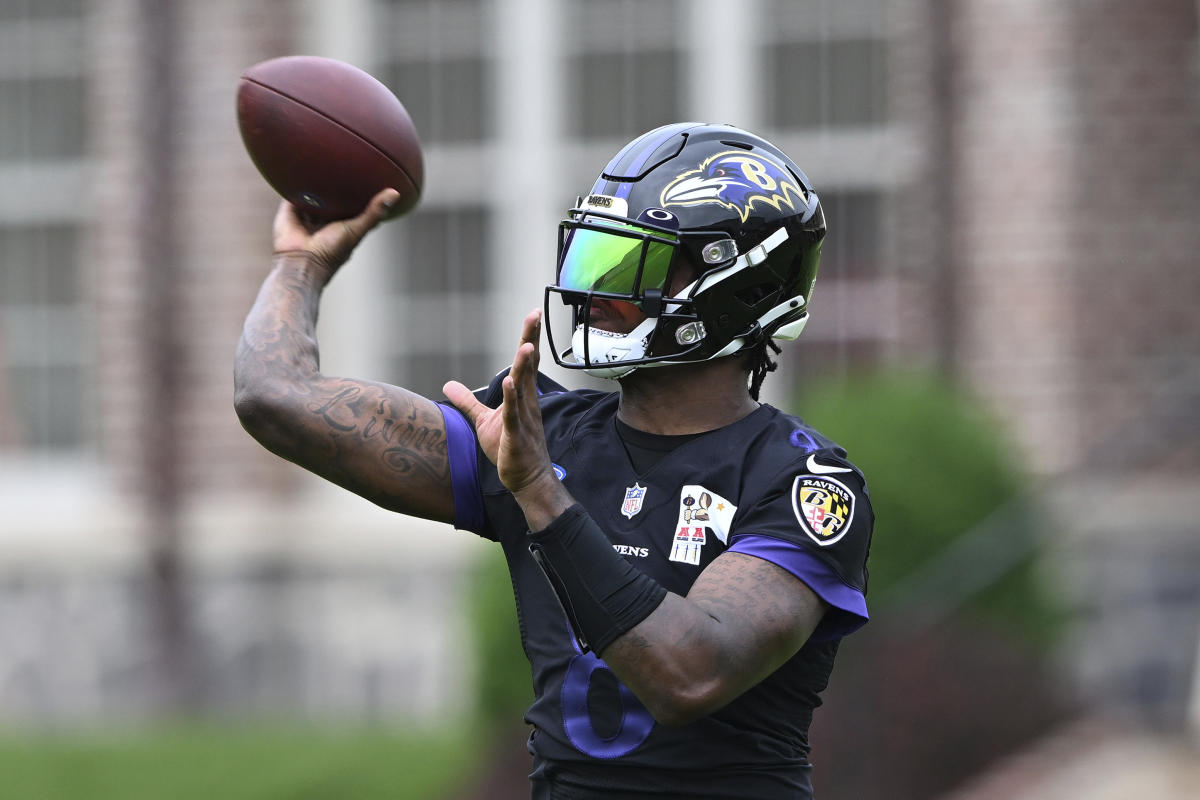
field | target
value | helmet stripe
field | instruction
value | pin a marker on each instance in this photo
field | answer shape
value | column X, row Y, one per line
column 634, row 156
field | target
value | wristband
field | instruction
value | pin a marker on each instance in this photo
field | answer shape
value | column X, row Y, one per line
column 602, row 594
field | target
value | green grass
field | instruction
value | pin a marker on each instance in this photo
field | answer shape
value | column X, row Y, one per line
column 235, row 763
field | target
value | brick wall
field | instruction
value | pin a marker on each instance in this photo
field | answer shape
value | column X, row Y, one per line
column 1014, row 169
column 1053, row 218
column 1135, row 222
column 1054, row 222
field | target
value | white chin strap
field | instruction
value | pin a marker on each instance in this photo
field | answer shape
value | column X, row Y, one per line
column 606, row 350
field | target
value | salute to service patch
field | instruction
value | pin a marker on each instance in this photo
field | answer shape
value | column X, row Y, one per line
column 823, row 506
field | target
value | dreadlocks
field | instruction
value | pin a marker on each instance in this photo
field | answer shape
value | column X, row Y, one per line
column 760, row 363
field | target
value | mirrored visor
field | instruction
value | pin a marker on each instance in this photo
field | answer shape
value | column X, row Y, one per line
column 595, row 260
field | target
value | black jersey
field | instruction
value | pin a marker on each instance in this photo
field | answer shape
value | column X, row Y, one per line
column 767, row 486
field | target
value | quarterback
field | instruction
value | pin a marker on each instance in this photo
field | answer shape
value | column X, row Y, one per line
column 685, row 558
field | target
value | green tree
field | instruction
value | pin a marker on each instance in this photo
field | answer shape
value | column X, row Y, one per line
column 959, row 528
column 503, row 685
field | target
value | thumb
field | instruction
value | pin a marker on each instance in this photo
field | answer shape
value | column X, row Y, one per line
column 464, row 400
column 336, row 241
column 377, row 211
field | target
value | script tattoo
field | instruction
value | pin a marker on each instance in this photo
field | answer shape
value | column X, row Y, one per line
column 336, row 404
column 410, row 444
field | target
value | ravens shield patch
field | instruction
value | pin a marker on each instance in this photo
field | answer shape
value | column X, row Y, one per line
column 824, row 507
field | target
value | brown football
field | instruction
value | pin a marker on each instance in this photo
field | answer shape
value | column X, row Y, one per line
column 327, row 136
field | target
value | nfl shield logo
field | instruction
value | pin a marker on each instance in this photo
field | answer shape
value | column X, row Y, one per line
column 633, row 500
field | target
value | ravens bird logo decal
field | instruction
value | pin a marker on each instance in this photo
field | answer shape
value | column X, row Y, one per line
column 736, row 180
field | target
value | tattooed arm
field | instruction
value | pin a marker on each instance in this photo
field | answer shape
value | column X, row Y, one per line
column 741, row 620
column 379, row 441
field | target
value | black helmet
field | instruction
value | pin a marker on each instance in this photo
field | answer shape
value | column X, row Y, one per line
column 711, row 231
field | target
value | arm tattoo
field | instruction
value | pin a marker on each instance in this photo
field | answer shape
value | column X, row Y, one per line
column 362, row 415
column 741, row 620
column 379, row 441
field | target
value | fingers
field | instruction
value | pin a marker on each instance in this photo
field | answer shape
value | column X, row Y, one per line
column 334, row 241
column 528, row 357
column 520, row 413
column 510, row 409
column 464, row 400
column 531, row 328
column 520, row 387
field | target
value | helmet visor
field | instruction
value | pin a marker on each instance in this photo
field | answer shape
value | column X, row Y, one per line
column 615, row 258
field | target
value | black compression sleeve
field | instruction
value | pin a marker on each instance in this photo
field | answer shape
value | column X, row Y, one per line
column 602, row 594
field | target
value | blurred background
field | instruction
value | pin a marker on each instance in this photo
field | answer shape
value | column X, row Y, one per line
column 1004, row 336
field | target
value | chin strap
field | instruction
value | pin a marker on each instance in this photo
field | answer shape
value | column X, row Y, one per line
column 606, row 350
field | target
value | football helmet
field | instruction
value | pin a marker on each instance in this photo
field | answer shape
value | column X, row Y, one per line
column 711, row 231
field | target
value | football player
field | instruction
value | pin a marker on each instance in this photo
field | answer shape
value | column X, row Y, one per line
column 686, row 559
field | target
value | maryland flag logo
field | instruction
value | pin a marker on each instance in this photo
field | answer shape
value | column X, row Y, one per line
column 824, row 507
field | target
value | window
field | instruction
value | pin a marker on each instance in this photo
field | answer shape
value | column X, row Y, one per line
column 447, row 248
column 845, row 330
column 827, row 83
column 825, row 63
column 446, row 98
column 18, row 10
column 435, row 57
column 44, row 327
column 624, row 74
column 615, row 93
column 50, row 122
column 825, row 70
column 439, row 299
column 43, row 345
column 854, row 221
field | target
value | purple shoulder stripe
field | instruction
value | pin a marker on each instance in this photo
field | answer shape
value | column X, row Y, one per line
column 848, row 606
column 464, row 470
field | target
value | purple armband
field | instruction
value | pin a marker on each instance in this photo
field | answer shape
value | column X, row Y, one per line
column 464, row 470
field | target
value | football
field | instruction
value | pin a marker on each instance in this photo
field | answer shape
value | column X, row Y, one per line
column 327, row 136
